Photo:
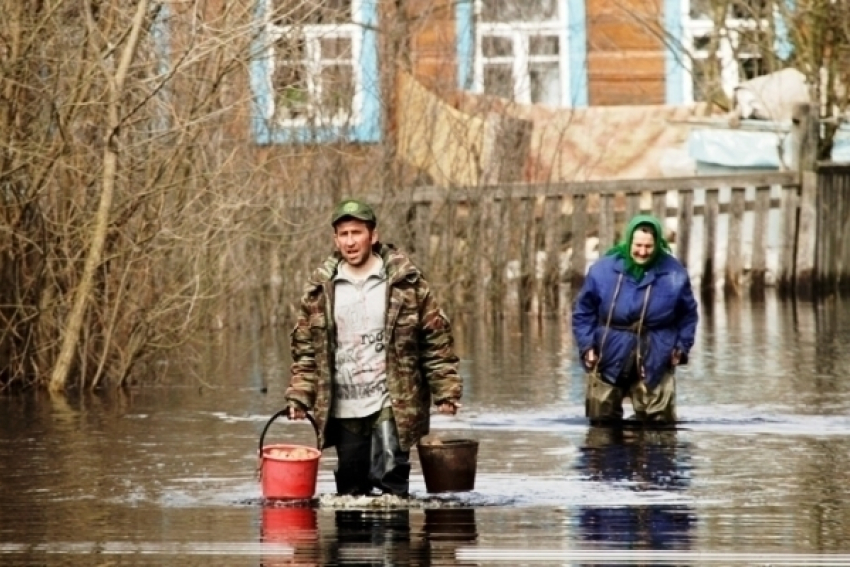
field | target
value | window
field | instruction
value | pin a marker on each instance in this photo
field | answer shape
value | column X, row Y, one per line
column 737, row 47
column 314, row 73
column 521, row 51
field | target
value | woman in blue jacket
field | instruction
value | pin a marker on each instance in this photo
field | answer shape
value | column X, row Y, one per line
column 634, row 321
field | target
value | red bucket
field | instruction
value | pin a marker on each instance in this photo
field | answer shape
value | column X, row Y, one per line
column 288, row 471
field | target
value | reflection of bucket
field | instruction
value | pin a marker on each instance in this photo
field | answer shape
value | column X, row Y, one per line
column 449, row 466
column 289, row 536
column 288, row 478
column 289, row 525
column 450, row 524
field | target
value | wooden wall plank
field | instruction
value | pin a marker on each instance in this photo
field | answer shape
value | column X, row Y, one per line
column 625, row 24
column 616, row 34
column 625, row 78
column 625, row 65
column 604, row 92
column 626, row 52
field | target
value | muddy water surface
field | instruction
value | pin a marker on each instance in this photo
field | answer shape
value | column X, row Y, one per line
column 757, row 473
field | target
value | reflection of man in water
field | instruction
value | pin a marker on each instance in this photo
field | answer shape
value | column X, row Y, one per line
column 371, row 537
column 641, row 460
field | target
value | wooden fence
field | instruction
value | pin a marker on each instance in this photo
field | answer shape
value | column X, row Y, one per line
column 528, row 247
column 534, row 243
column 832, row 241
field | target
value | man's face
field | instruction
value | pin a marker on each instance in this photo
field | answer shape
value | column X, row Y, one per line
column 354, row 240
column 643, row 245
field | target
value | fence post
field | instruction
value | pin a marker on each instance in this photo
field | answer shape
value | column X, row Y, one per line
column 578, row 262
column 806, row 127
column 759, row 257
column 552, row 228
column 734, row 254
column 710, row 214
column 527, row 254
column 684, row 222
column 790, row 205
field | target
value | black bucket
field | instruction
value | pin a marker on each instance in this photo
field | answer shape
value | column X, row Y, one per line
column 448, row 465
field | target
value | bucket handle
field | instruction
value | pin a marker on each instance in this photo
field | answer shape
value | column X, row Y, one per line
column 285, row 411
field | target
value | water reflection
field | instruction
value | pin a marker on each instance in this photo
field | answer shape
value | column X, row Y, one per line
column 450, row 525
column 361, row 537
column 372, row 537
column 294, row 526
column 445, row 530
column 642, row 460
column 760, row 463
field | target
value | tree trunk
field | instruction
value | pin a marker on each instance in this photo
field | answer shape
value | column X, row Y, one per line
column 59, row 378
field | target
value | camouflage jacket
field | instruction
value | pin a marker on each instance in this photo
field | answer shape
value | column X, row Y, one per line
column 421, row 363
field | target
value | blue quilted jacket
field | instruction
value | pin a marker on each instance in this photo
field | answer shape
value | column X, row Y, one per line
column 669, row 323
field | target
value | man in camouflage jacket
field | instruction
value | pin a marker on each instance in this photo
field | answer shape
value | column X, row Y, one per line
column 421, row 366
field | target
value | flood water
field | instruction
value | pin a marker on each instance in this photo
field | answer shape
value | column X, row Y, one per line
column 757, row 473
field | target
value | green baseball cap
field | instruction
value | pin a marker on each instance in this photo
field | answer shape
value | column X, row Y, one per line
column 354, row 209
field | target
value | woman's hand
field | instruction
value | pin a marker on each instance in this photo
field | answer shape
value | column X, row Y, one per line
column 675, row 358
column 590, row 358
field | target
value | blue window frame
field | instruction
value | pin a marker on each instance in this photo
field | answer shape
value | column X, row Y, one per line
column 315, row 80
column 529, row 53
column 690, row 28
column 675, row 57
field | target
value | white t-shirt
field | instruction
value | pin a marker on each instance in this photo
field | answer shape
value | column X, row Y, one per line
column 360, row 306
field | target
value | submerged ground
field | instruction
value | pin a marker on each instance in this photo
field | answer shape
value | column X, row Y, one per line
column 756, row 473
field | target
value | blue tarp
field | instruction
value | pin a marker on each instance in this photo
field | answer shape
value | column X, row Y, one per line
column 737, row 148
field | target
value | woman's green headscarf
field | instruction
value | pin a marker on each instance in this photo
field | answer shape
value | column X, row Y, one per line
column 624, row 248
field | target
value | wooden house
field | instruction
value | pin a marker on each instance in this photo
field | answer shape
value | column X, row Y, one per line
column 557, row 53
column 334, row 72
